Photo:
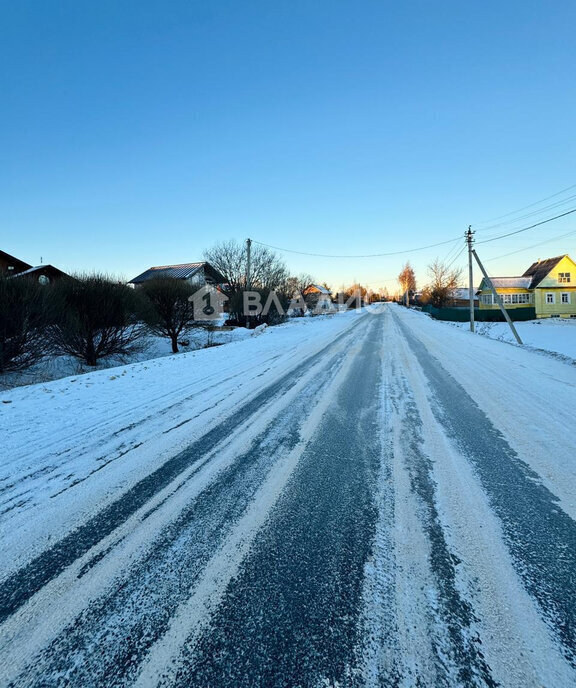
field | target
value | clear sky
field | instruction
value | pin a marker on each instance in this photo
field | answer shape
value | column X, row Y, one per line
column 140, row 132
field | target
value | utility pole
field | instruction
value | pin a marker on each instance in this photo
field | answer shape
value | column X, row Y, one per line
column 469, row 240
column 248, row 276
column 498, row 299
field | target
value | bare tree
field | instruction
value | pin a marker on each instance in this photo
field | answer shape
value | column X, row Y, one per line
column 294, row 289
column 171, row 312
column 24, row 318
column 96, row 317
column 439, row 291
column 297, row 283
column 267, row 273
column 407, row 281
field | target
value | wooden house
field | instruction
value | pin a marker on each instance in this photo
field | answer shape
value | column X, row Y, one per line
column 548, row 286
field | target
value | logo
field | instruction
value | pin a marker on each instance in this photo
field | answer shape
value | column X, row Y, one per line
column 208, row 303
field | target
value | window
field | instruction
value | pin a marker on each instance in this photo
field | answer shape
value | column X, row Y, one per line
column 486, row 299
column 564, row 277
column 565, row 297
column 524, row 298
column 506, row 298
column 550, row 298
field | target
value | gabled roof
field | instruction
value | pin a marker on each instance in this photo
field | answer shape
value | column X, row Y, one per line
column 462, row 293
column 538, row 270
column 182, row 271
column 510, row 282
column 317, row 289
column 19, row 265
column 41, row 268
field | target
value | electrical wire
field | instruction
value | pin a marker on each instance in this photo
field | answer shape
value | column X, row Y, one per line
column 368, row 255
column 531, row 205
column 456, row 257
column 527, row 248
column 534, row 213
column 525, row 229
column 440, row 243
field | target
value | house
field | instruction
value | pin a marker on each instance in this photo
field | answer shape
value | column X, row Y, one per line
column 196, row 274
column 10, row 265
column 460, row 297
column 548, row 286
column 14, row 267
column 209, row 301
column 318, row 297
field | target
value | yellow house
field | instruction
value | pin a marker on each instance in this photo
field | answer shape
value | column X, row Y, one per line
column 548, row 286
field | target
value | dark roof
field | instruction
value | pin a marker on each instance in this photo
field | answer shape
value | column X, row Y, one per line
column 48, row 270
column 538, row 270
column 183, row 271
column 16, row 263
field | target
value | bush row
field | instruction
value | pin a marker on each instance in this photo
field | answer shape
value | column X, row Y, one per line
column 89, row 317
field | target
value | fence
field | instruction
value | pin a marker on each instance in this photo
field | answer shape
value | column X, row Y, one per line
column 480, row 315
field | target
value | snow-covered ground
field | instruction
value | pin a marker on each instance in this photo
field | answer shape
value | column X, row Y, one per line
column 119, row 422
column 348, row 500
column 555, row 335
column 56, row 367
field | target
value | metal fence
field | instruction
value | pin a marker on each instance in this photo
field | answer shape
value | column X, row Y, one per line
column 480, row 315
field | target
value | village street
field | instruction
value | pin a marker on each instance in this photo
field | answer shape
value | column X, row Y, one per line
column 368, row 499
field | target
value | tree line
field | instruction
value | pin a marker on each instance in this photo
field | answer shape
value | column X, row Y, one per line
column 92, row 316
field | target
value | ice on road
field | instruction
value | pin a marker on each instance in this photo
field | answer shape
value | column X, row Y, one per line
column 372, row 499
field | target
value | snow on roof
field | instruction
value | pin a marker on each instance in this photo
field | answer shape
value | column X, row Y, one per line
column 510, row 282
column 317, row 288
column 461, row 293
column 36, row 268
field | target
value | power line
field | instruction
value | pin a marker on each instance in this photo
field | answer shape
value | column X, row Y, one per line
column 558, row 204
column 531, row 205
column 456, row 257
column 369, row 255
column 440, row 243
column 455, row 249
column 525, row 229
column 527, row 248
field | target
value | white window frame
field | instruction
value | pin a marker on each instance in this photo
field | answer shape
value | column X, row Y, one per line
column 550, row 298
column 567, row 295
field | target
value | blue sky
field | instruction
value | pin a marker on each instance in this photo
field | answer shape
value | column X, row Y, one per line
column 137, row 133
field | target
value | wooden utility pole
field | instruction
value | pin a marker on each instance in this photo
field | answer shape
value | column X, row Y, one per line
column 248, row 276
column 498, row 299
column 470, row 239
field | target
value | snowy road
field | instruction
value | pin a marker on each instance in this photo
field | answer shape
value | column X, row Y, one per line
column 366, row 500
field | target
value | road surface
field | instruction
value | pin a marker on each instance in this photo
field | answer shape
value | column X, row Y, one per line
column 395, row 507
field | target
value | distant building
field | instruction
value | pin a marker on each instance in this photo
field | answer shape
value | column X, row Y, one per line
column 318, row 298
column 9, row 265
column 461, row 297
column 196, row 274
column 548, row 286
column 14, row 267
column 209, row 301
